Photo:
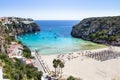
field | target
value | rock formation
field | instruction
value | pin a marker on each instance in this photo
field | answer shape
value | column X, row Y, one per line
column 105, row 30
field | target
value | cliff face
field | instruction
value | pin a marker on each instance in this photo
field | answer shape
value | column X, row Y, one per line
column 105, row 30
column 11, row 26
column 16, row 26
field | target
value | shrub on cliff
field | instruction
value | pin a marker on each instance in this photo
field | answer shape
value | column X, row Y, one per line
column 99, row 29
column 0, row 23
column 15, row 69
column 9, row 39
column 26, row 52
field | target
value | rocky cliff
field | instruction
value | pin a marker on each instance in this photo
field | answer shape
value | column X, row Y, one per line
column 16, row 26
column 105, row 30
column 11, row 26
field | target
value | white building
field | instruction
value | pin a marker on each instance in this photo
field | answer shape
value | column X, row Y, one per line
column 1, row 74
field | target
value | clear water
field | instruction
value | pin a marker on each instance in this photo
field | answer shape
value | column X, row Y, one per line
column 54, row 38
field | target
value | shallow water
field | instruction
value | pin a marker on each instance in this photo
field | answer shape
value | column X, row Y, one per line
column 54, row 38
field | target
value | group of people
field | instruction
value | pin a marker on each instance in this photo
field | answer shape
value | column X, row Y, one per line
column 100, row 55
column 67, row 57
column 103, row 55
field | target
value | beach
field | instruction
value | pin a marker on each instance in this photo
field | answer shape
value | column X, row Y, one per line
column 86, row 68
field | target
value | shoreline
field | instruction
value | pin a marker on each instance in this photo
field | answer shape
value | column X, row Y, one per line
column 79, row 66
column 93, row 49
column 97, row 49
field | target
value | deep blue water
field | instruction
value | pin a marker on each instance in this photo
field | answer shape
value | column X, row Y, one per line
column 53, row 38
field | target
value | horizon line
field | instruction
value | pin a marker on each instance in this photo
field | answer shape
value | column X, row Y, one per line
column 62, row 19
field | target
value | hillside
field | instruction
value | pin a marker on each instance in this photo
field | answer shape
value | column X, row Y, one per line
column 12, row 26
column 105, row 30
column 14, row 68
column 16, row 26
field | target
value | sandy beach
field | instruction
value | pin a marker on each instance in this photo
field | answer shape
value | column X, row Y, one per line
column 87, row 68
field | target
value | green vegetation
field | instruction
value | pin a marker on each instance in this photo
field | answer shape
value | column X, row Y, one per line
column 19, row 42
column 15, row 69
column 72, row 78
column 91, row 46
column 0, row 23
column 26, row 52
column 58, row 65
column 9, row 39
column 19, row 26
column 103, row 30
column 112, row 38
column 102, row 35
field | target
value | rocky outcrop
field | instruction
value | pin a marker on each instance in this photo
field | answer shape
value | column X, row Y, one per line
column 12, row 26
column 17, row 26
column 105, row 30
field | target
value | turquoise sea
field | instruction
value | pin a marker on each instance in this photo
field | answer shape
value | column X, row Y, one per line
column 54, row 37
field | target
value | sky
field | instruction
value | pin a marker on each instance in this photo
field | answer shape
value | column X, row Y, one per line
column 59, row 9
